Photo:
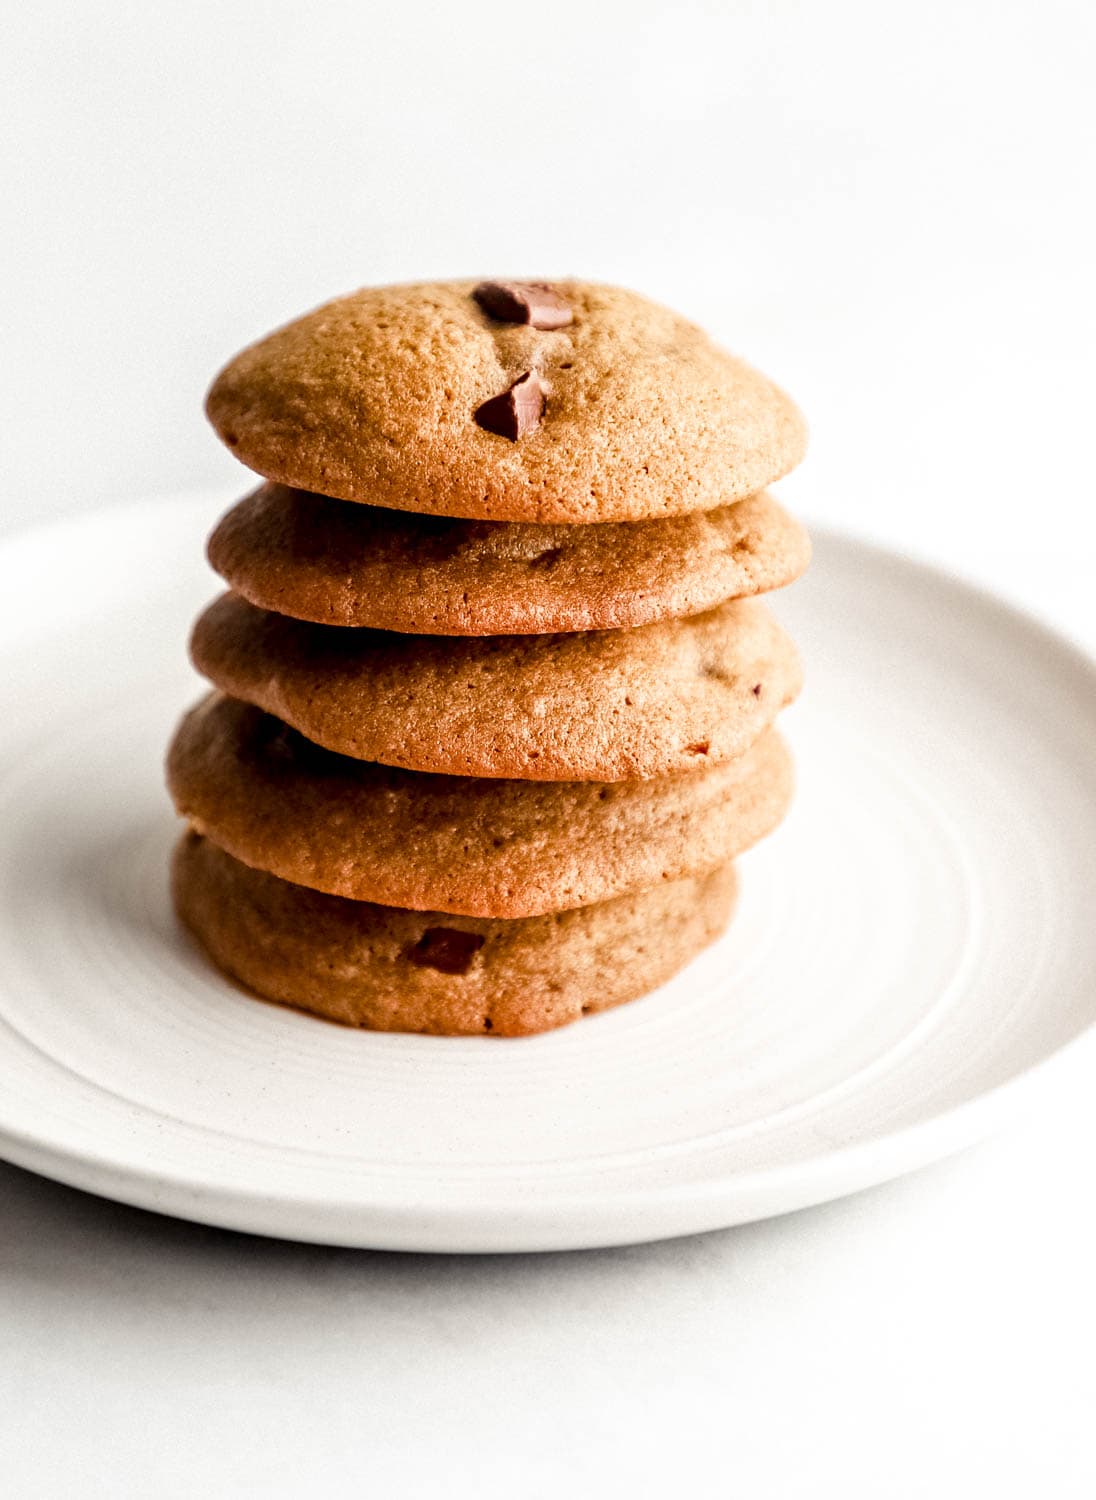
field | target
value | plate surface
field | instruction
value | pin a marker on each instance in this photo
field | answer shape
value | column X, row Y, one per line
column 912, row 945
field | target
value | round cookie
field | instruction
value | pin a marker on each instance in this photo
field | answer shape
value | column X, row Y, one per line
column 338, row 564
column 485, row 848
column 388, row 397
column 608, row 705
column 391, row 970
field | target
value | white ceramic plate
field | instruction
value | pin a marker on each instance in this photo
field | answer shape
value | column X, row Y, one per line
column 916, row 940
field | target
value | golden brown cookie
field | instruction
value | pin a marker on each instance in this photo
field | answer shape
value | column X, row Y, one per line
column 485, row 848
column 608, row 705
column 417, row 398
column 340, row 564
column 392, row 970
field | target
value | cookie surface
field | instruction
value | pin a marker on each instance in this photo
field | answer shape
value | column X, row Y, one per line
column 489, row 848
column 391, row 970
column 374, row 398
column 607, row 705
column 342, row 564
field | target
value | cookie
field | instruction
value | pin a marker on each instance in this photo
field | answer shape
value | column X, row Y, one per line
column 423, row 398
column 340, row 564
column 608, row 705
column 484, row 848
column 392, row 970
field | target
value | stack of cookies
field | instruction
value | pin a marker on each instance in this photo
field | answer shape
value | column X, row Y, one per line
column 493, row 709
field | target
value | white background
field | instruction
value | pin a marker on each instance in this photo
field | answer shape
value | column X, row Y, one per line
column 889, row 208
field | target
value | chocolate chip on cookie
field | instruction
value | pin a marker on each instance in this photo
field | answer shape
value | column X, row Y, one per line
column 532, row 302
column 446, row 949
column 517, row 411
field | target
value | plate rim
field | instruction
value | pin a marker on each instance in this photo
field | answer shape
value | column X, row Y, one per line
column 547, row 1224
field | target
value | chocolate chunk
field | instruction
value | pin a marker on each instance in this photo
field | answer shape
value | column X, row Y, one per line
column 756, row 690
column 517, row 411
column 446, row 949
column 523, row 302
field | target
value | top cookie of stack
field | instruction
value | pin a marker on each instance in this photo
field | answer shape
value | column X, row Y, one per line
column 571, row 479
column 608, row 407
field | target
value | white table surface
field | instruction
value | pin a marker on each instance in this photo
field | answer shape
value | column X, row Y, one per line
column 886, row 208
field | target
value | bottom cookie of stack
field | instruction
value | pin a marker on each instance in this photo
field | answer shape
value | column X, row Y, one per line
column 389, row 969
